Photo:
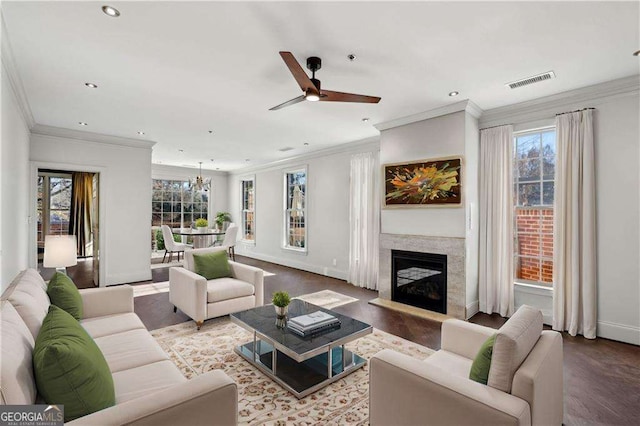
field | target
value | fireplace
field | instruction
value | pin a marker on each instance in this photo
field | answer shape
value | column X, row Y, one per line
column 419, row 279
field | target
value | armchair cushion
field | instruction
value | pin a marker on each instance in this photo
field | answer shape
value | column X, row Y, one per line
column 482, row 362
column 514, row 341
column 65, row 295
column 228, row 288
column 212, row 265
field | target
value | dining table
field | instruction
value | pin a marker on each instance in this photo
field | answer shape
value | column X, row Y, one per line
column 200, row 236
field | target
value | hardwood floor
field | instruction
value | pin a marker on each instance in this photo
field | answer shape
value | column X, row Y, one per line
column 601, row 377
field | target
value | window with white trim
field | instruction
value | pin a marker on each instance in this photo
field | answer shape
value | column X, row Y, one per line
column 174, row 204
column 534, row 173
column 295, row 195
column 248, row 210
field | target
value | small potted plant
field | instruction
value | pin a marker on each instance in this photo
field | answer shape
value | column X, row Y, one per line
column 202, row 224
column 222, row 218
column 281, row 302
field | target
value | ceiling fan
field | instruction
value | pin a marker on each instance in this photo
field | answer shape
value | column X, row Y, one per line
column 311, row 86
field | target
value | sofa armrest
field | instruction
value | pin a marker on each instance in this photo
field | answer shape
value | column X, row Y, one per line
column 188, row 292
column 406, row 391
column 251, row 275
column 464, row 338
column 539, row 380
column 211, row 399
column 98, row 302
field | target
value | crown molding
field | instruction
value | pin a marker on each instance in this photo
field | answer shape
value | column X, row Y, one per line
column 9, row 66
column 465, row 105
column 548, row 106
column 79, row 135
column 368, row 144
column 167, row 170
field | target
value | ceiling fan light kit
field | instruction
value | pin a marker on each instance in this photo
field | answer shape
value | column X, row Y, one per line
column 311, row 87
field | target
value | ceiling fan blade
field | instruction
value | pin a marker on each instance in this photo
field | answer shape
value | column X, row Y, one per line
column 290, row 102
column 298, row 73
column 331, row 96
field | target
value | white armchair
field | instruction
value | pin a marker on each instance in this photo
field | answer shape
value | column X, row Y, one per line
column 201, row 299
column 525, row 384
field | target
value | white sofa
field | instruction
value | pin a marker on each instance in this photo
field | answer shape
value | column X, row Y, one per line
column 149, row 388
column 201, row 299
column 525, row 384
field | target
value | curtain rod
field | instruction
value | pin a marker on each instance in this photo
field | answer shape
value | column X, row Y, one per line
column 571, row 112
column 493, row 127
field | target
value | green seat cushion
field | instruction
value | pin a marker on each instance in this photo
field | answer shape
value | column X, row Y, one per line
column 65, row 295
column 212, row 265
column 482, row 362
column 69, row 367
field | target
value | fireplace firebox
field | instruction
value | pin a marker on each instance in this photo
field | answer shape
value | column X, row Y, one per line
column 419, row 279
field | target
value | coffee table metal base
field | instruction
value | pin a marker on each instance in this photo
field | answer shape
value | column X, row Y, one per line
column 301, row 378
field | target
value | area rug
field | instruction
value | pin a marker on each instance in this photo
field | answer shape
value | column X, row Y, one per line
column 327, row 299
column 262, row 401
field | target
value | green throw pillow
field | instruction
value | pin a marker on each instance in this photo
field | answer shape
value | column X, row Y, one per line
column 212, row 265
column 482, row 362
column 65, row 295
column 69, row 367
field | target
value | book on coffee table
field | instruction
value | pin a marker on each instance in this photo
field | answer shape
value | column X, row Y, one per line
column 312, row 323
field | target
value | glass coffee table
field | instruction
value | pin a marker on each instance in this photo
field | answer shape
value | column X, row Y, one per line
column 302, row 365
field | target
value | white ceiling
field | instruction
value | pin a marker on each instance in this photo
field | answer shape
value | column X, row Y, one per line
column 178, row 69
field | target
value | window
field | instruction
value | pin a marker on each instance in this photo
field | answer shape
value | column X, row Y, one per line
column 174, row 204
column 248, row 210
column 295, row 193
column 534, row 172
column 54, row 204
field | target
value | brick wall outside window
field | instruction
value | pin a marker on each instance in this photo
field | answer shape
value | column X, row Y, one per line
column 534, row 244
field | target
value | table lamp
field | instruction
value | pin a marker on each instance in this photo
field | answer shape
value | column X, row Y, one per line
column 60, row 251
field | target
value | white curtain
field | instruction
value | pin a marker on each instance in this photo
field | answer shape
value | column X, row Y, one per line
column 364, row 220
column 496, row 221
column 574, row 237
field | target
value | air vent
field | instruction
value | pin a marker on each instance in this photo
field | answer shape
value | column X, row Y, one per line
column 530, row 80
column 285, row 149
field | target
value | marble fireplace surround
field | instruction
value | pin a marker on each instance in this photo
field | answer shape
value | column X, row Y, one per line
column 453, row 248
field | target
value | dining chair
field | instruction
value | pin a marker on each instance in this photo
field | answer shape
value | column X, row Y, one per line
column 170, row 246
column 230, row 238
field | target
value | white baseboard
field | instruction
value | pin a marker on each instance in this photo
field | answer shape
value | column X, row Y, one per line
column 329, row 272
column 472, row 309
column 129, row 277
column 620, row 332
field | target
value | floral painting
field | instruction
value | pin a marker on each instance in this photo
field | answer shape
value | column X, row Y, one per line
column 424, row 183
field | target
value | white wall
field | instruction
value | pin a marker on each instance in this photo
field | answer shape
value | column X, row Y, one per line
column 327, row 211
column 14, row 187
column 617, row 151
column 125, row 191
column 442, row 136
column 219, row 198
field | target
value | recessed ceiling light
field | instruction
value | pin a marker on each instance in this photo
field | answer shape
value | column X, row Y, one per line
column 351, row 57
column 111, row 11
column 365, row 119
column 91, row 85
column 141, row 133
column 82, row 123
column 454, row 93
column 181, row 150
column 637, row 53
column 247, row 160
column 212, row 159
column 210, row 131
column 306, row 143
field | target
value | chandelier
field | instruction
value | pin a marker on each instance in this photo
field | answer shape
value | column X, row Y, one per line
column 199, row 183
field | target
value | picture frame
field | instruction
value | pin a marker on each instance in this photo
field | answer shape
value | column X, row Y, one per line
column 434, row 182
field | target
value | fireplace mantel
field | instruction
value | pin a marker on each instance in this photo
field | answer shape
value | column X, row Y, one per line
column 453, row 248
